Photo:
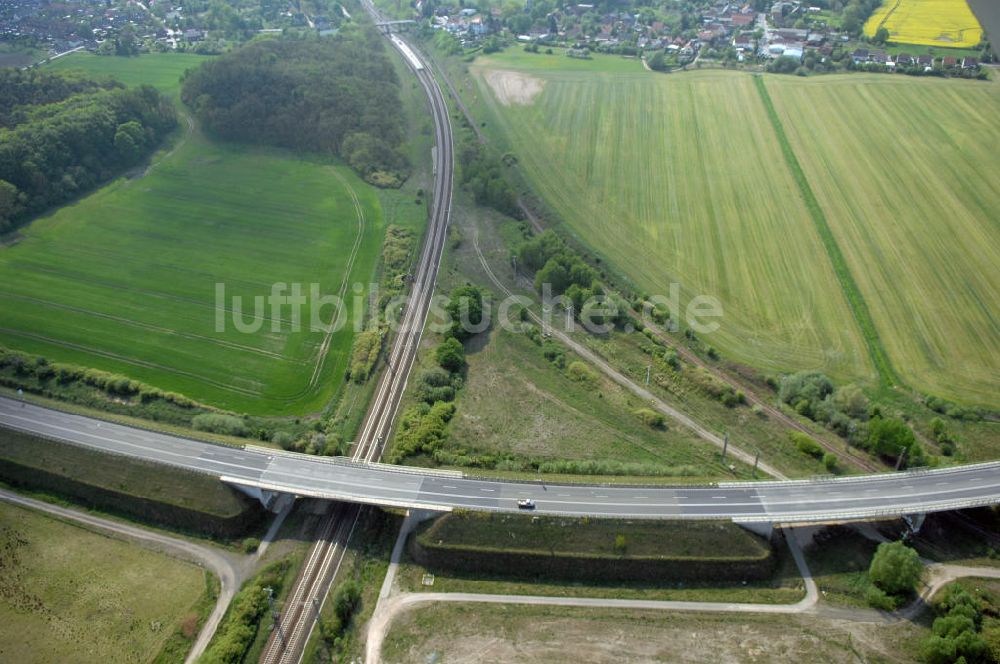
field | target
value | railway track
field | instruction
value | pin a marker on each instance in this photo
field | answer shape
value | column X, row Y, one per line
column 294, row 627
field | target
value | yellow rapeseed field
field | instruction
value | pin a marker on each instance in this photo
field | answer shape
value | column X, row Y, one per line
column 928, row 22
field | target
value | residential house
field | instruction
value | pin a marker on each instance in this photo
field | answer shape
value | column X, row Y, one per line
column 879, row 57
column 792, row 52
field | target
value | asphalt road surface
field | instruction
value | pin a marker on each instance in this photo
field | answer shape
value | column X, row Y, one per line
column 795, row 501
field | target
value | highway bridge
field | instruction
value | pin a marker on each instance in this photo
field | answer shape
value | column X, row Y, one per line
column 794, row 501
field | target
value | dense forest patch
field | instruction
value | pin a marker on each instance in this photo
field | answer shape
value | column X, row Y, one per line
column 336, row 95
column 63, row 134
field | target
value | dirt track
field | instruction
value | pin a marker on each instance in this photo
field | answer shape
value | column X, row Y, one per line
column 511, row 87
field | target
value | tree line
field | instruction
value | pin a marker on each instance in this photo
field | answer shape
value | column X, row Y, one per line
column 337, row 95
column 62, row 135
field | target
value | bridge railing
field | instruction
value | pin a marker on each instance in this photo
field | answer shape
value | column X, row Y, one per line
column 351, row 463
column 901, row 475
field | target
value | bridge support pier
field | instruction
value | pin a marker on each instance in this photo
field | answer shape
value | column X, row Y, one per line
column 914, row 521
column 762, row 528
column 269, row 499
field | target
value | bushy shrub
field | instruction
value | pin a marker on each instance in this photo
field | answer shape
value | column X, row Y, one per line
column 581, row 373
column 423, row 430
column 805, row 444
column 878, row 599
column 650, row 418
column 895, row 568
column 554, row 353
column 283, row 439
column 955, row 634
column 240, row 624
column 451, row 355
column 465, row 309
column 364, row 353
column 805, row 390
column 891, row 437
column 219, row 423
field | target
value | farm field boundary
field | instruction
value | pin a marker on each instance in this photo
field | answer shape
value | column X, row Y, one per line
column 850, row 288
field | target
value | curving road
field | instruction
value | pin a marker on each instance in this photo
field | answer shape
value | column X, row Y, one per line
column 792, row 501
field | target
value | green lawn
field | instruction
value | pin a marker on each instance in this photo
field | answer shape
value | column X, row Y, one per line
column 72, row 595
column 517, row 58
column 125, row 279
column 161, row 70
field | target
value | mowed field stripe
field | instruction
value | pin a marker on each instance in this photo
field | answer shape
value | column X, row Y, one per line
column 904, row 171
column 850, row 288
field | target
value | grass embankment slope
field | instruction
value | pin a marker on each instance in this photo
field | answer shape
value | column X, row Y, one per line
column 125, row 279
column 623, row 558
column 597, row 550
column 902, row 170
column 69, row 594
column 682, row 178
column 166, row 496
column 679, row 179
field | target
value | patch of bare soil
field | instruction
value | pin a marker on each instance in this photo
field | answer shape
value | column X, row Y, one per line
column 511, row 87
column 508, row 634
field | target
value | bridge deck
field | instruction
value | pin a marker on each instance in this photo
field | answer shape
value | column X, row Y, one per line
column 872, row 496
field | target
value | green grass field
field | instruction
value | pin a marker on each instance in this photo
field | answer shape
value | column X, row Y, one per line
column 902, row 170
column 161, row 70
column 516, row 403
column 681, row 178
column 69, row 594
column 125, row 279
column 517, row 58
